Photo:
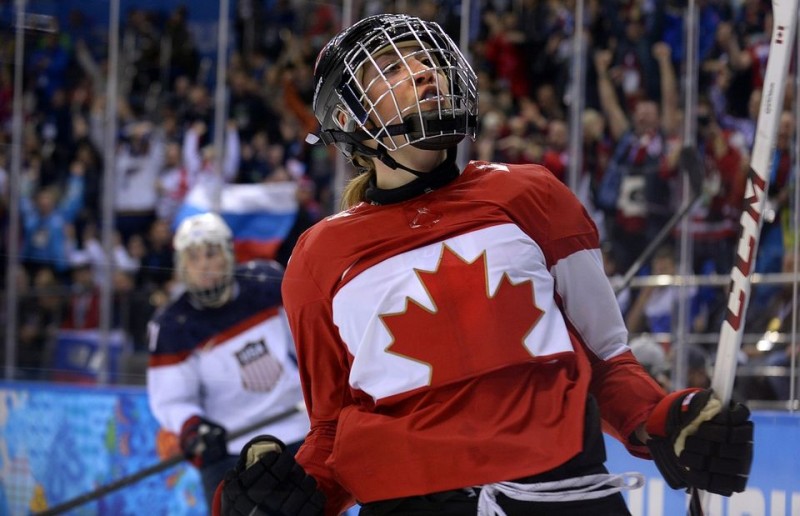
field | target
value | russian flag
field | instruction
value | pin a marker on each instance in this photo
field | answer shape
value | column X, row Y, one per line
column 260, row 215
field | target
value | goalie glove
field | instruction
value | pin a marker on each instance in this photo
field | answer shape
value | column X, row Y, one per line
column 696, row 442
column 202, row 441
column 268, row 481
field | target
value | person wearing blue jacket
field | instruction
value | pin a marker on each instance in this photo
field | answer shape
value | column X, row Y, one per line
column 46, row 219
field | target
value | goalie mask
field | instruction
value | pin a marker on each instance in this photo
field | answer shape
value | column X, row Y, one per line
column 346, row 98
column 204, row 256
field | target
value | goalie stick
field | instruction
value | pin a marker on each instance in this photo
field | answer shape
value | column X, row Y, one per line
column 784, row 15
column 165, row 464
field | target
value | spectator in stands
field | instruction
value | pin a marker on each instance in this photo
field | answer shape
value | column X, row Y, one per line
column 635, row 191
column 47, row 65
column 536, row 113
column 698, row 366
column 652, row 356
column 133, row 307
column 84, row 151
column 29, row 347
column 503, row 52
column 6, row 97
column 184, row 58
column 55, row 127
column 774, row 321
column 176, row 100
column 654, row 307
column 258, row 158
column 201, row 161
column 781, row 382
column 293, row 129
column 249, row 25
column 548, row 29
column 555, row 155
column 320, row 24
column 519, row 145
column 714, row 220
column 157, row 263
column 139, row 161
column 45, row 215
column 40, row 313
column 89, row 245
column 173, row 182
column 141, row 50
column 198, row 106
column 749, row 18
column 597, row 148
column 771, row 247
column 83, row 305
column 743, row 126
column 550, row 105
column 634, row 59
column 492, row 125
column 748, row 55
column 249, row 109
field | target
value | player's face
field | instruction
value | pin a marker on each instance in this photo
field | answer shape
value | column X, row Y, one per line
column 404, row 84
column 205, row 265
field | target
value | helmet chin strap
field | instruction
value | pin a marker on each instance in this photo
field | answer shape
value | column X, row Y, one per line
column 434, row 179
column 380, row 153
column 390, row 162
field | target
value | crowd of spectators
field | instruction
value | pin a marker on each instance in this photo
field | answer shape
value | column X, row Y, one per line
column 628, row 179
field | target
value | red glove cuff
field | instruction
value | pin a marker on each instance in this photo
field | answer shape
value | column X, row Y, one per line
column 191, row 424
column 216, row 504
column 657, row 422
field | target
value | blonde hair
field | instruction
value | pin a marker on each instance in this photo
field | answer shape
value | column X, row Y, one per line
column 355, row 190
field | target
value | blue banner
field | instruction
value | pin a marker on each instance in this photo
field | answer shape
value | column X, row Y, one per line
column 773, row 489
column 59, row 441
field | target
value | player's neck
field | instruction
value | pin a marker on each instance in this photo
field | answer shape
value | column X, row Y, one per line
column 421, row 161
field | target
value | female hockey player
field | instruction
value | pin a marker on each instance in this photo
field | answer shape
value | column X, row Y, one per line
column 458, row 340
column 221, row 355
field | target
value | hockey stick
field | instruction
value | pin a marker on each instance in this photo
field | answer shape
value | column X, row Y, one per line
column 160, row 466
column 784, row 15
column 691, row 163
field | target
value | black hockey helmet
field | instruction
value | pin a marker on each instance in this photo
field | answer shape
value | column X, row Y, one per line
column 348, row 116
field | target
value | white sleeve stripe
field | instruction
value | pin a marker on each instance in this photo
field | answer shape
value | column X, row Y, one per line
column 590, row 304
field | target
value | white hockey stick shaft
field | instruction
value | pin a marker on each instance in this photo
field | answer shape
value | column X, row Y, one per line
column 780, row 51
column 784, row 13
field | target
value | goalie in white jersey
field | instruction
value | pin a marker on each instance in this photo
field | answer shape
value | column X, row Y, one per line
column 221, row 355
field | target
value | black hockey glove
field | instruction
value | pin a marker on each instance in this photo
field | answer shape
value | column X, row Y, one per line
column 202, row 441
column 696, row 442
column 268, row 481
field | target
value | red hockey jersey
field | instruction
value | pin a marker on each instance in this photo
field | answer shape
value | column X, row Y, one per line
column 451, row 340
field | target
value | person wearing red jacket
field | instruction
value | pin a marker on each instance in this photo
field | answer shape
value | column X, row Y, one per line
column 458, row 341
